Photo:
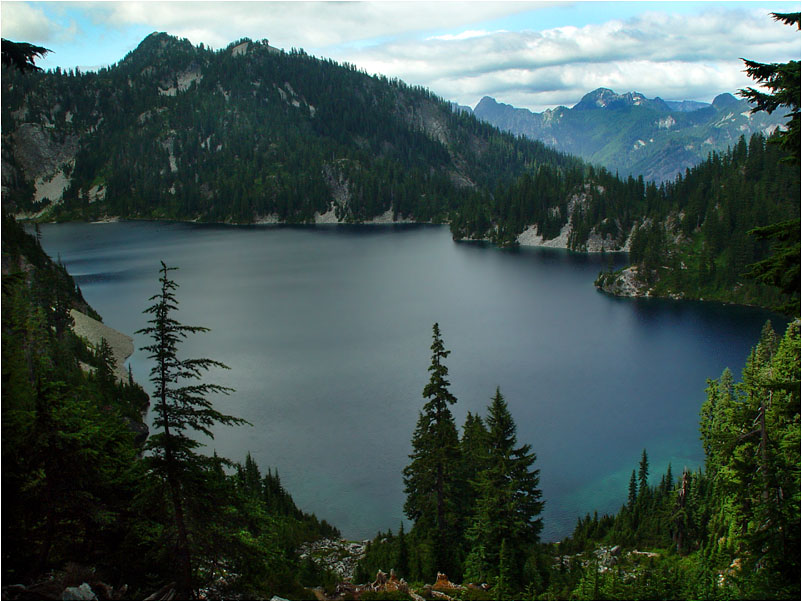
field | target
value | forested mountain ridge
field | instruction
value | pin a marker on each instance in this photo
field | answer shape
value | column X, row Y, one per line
column 634, row 135
column 248, row 133
column 251, row 134
column 694, row 240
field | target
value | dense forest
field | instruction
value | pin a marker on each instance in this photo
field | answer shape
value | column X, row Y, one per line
column 704, row 249
column 183, row 132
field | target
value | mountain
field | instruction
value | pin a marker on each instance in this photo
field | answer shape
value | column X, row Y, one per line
column 245, row 134
column 252, row 134
column 634, row 135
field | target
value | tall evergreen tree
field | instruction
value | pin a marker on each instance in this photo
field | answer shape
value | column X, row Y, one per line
column 643, row 474
column 430, row 480
column 633, row 491
column 508, row 508
column 474, row 454
column 781, row 85
column 182, row 408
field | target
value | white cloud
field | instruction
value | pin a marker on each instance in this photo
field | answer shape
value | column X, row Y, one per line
column 454, row 48
column 309, row 25
column 465, row 35
column 667, row 55
column 23, row 22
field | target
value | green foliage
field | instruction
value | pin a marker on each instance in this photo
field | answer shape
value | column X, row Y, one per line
column 505, row 523
column 69, row 456
column 781, row 80
column 256, row 134
column 474, row 498
column 430, row 480
column 22, row 55
column 693, row 239
column 181, row 409
column 730, row 531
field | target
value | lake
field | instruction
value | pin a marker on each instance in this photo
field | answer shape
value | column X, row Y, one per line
column 327, row 333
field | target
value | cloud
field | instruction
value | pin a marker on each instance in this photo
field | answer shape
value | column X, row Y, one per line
column 668, row 55
column 465, row 35
column 309, row 25
column 456, row 49
column 23, row 22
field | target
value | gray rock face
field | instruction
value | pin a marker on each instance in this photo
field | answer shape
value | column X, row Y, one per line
column 39, row 153
column 626, row 283
column 340, row 556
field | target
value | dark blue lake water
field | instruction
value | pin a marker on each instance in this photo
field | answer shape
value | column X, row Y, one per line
column 327, row 333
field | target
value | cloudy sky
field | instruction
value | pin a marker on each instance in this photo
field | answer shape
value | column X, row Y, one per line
column 529, row 54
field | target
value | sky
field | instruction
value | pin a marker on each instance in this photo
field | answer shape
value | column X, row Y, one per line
column 535, row 55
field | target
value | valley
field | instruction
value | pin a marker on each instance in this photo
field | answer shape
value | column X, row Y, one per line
column 276, row 327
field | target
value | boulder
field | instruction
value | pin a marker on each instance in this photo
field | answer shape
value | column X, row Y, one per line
column 82, row 592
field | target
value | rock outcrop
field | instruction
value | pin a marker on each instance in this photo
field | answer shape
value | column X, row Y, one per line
column 627, row 282
column 94, row 332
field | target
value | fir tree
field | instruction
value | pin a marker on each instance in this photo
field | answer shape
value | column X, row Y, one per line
column 509, row 502
column 430, row 479
column 474, row 453
column 181, row 409
column 402, row 561
column 782, row 82
column 633, row 491
column 643, row 474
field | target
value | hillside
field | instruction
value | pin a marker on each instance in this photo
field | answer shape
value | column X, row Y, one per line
column 634, row 135
column 252, row 134
column 245, row 134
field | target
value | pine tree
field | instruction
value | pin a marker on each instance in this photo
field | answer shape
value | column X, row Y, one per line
column 430, row 480
column 643, row 475
column 474, row 453
column 509, row 502
column 182, row 408
column 782, row 80
column 402, row 561
column 633, row 491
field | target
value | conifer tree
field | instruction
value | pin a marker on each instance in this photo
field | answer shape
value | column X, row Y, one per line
column 430, row 480
column 474, row 453
column 633, row 491
column 402, row 561
column 780, row 83
column 643, row 474
column 181, row 410
column 509, row 503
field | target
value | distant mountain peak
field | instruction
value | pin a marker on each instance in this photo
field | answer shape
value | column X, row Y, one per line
column 604, row 98
column 724, row 100
column 633, row 134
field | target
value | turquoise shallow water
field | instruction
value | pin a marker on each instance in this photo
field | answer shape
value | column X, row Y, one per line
column 327, row 333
